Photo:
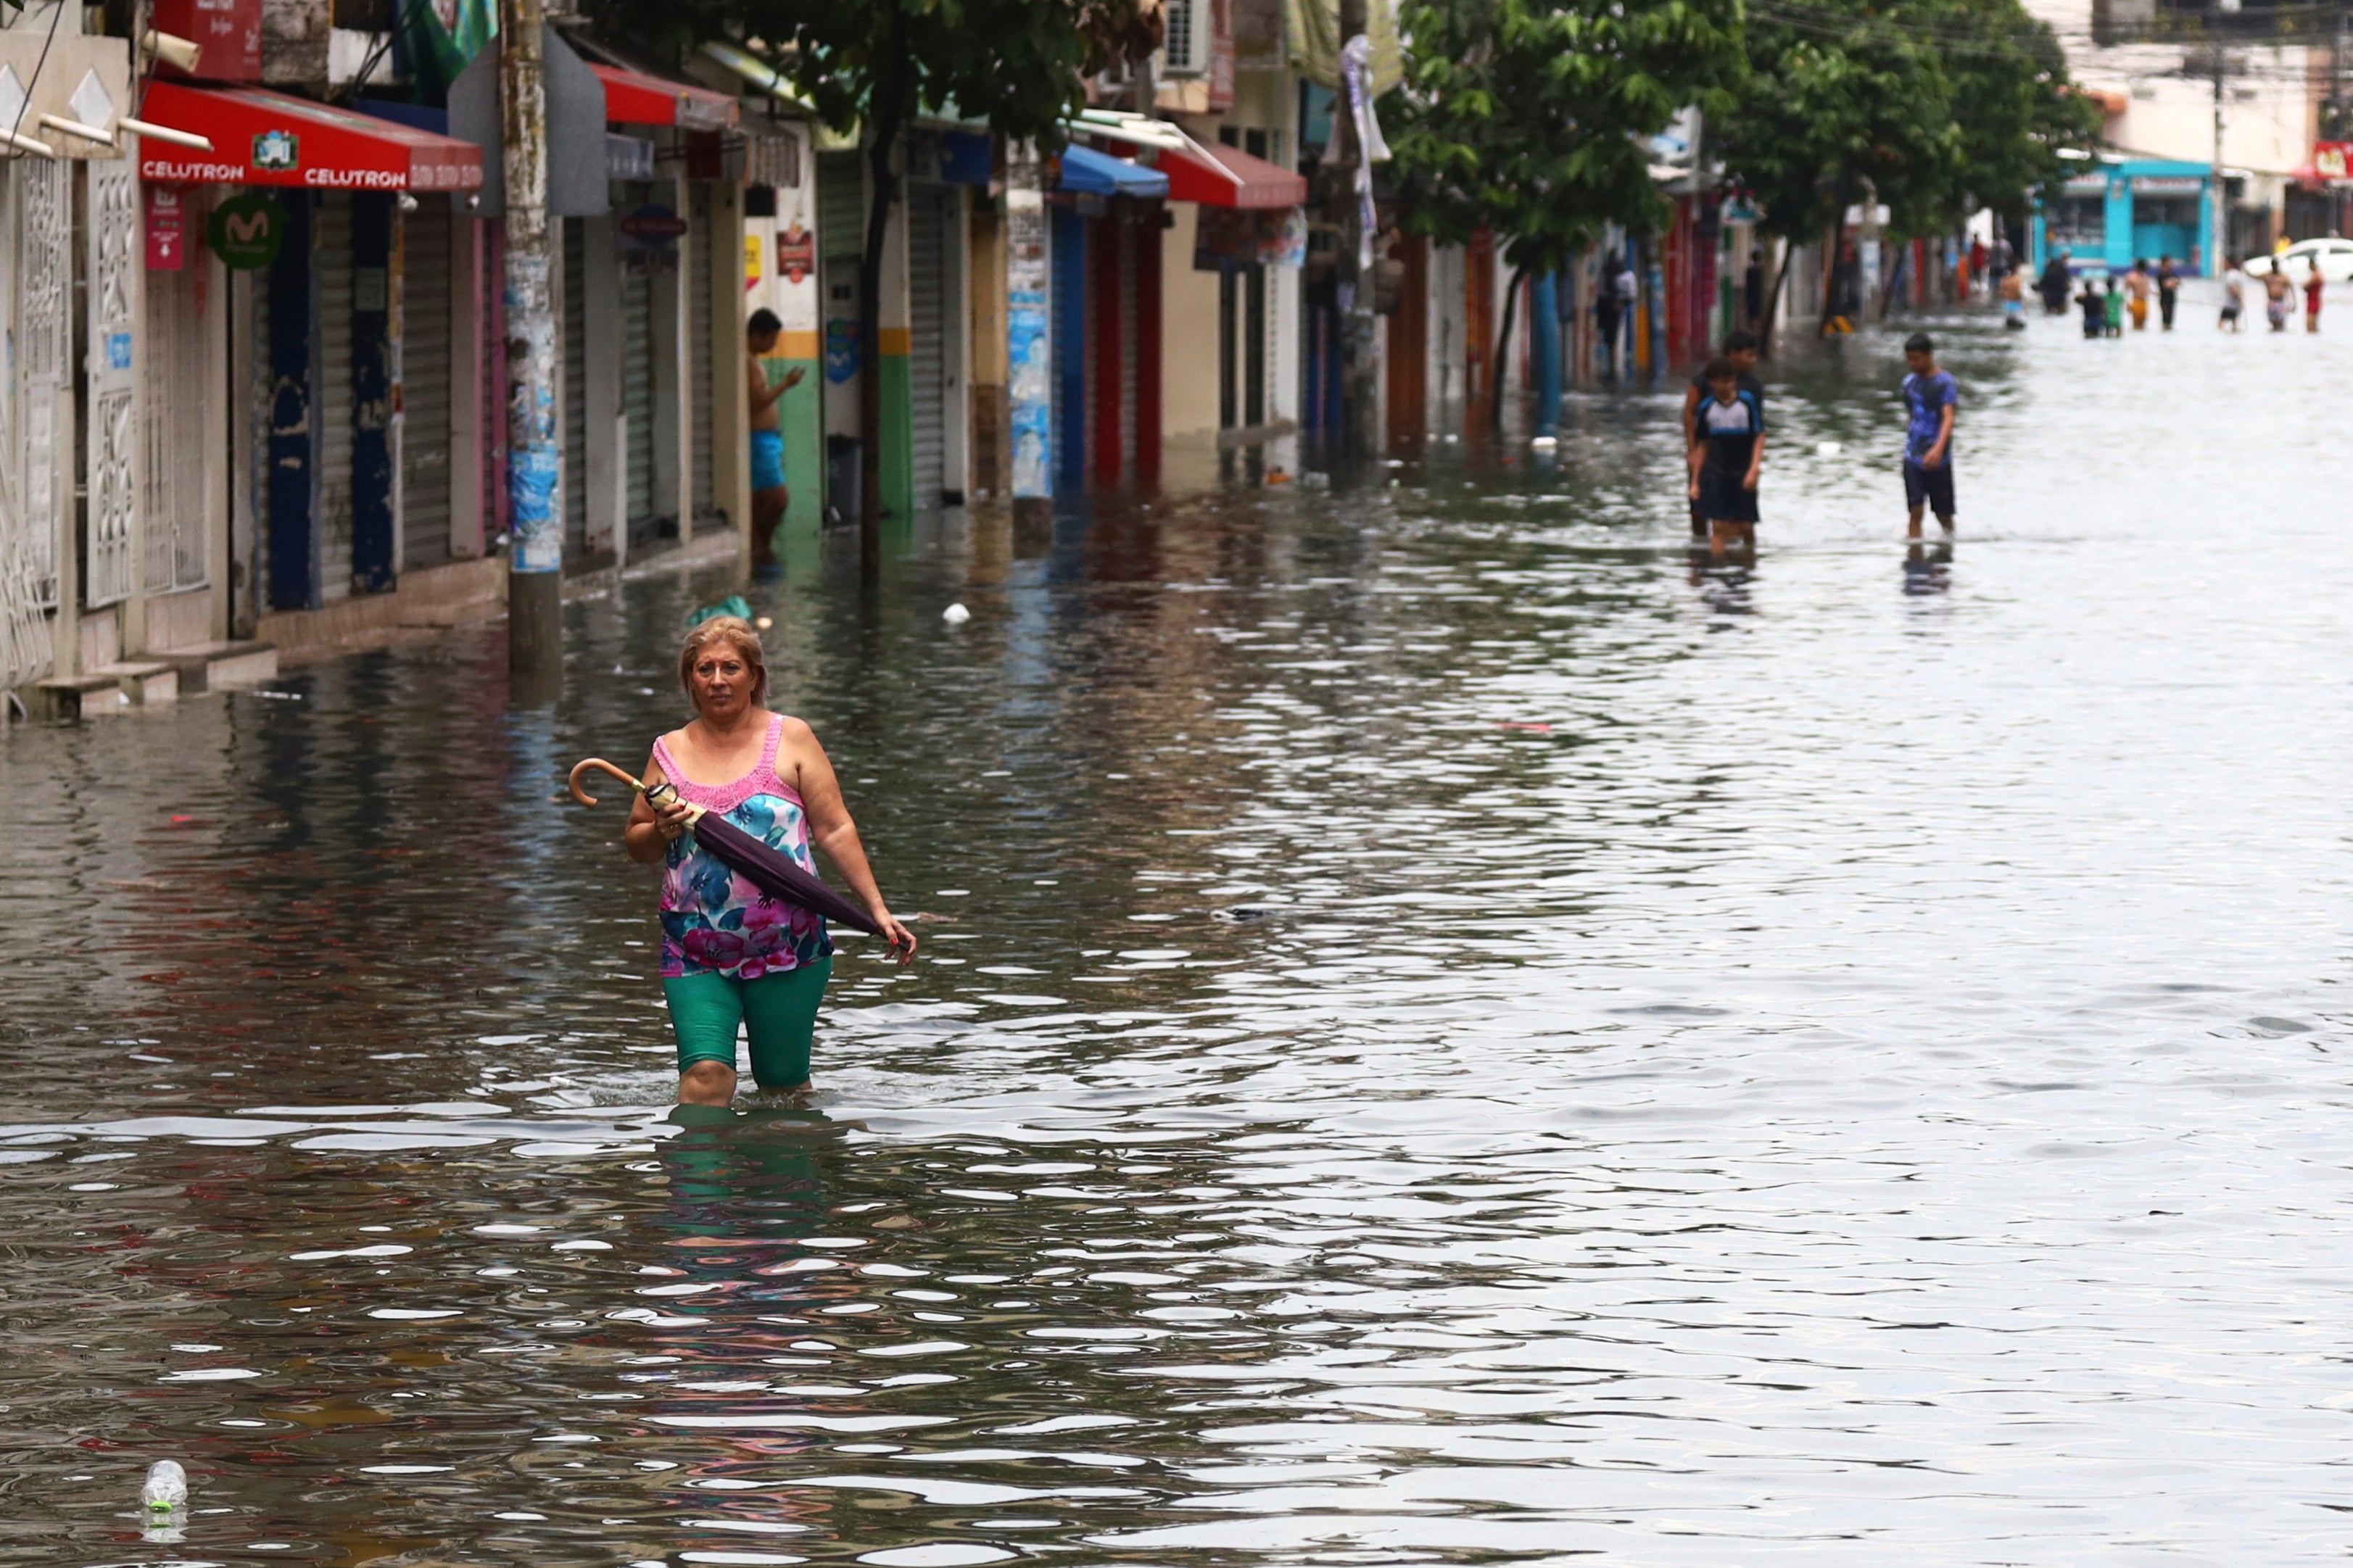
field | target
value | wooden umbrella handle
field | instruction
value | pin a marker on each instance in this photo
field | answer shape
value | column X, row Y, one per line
column 581, row 795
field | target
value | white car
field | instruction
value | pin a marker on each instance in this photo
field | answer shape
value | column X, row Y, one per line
column 2335, row 256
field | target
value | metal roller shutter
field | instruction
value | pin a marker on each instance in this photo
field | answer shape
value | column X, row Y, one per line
column 424, row 372
column 331, row 277
column 638, row 394
column 926, row 334
column 841, row 203
column 178, row 401
column 1130, row 239
column 575, row 392
column 698, row 366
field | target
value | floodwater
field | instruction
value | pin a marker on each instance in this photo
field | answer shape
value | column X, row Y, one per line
column 1445, row 1034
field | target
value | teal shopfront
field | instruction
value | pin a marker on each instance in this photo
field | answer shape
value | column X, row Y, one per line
column 2140, row 209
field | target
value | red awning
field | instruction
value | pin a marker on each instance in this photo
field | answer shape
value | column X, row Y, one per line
column 633, row 98
column 1229, row 177
column 263, row 138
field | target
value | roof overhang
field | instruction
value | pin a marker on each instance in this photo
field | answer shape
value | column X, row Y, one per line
column 633, row 98
column 1089, row 173
column 264, row 138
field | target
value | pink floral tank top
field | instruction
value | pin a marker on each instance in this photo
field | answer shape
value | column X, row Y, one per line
column 714, row 922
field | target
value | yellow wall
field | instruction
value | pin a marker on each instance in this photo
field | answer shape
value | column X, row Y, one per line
column 1188, row 332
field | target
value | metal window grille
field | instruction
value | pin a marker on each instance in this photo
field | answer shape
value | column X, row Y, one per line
column 1183, row 37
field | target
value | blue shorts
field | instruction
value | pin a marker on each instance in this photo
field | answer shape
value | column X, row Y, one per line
column 1724, row 499
column 767, row 460
column 1931, row 487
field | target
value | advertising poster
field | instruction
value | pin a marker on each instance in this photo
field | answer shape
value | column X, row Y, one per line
column 1030, row 338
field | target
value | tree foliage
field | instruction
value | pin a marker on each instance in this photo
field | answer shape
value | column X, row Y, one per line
column 1840, row 103
column 1530, row 118
column 2015, row 105
column 1934, row 108
column 1020, row 65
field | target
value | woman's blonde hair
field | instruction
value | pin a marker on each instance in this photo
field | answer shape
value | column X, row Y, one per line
column 737, row 632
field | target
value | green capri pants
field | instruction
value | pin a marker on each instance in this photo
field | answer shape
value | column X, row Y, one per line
column 777, row 1011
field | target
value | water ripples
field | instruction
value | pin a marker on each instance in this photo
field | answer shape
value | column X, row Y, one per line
column 1450, row 1032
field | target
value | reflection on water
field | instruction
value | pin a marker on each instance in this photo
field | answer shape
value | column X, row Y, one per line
column 1446, row 1031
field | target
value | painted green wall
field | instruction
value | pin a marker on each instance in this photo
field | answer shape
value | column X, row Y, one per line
column 898, row 451
column 802, row 422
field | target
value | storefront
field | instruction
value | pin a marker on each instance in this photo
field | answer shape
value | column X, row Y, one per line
column 2138, row 209
column 780, row 255
column 1231, row 245
column 339, row 506
column 924, row 457
column 642, row 453
column 1106, row 257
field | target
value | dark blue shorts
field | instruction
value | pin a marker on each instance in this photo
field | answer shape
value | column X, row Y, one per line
column 1931, row 487
column 1724, row 499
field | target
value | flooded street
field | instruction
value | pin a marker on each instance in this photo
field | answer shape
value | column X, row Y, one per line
column 1446, row 1032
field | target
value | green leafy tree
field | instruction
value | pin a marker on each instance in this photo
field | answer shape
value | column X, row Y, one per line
column 2015, row 104
column 1936, row 108
column 1530, row 118
column 1843, row 99
column 1020, row 65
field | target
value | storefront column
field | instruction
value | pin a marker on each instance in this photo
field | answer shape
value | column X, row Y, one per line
column 897, row 470
column 472, row 412
column 801, row 415
column 988, row 348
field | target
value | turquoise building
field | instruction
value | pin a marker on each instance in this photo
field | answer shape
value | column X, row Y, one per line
column 2121, row 210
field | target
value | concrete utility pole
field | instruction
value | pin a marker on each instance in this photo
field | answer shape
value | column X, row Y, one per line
column 2218, row 194
column 1359, row 359
column 535, row 546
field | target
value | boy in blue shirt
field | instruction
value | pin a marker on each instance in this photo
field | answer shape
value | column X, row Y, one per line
column 1931, row 399
column 1726, row 458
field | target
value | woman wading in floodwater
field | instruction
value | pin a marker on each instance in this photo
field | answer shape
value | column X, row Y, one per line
column 729, row 953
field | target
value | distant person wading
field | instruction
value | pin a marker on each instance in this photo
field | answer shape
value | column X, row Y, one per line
column 770, row 498
column 2052, row 285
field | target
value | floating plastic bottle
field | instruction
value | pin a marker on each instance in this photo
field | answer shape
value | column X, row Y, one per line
column 166, row 1488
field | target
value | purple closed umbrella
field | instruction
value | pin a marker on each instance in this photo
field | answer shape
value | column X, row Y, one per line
column 773, row 870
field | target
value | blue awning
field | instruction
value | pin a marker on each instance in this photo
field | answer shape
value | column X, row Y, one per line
column 1093, row 173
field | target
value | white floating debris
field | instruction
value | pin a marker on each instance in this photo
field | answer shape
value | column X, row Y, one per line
column 956, row 614
column 210, row 1374
column 1827, row 448
column 166, row 1486
column 1544, row 442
